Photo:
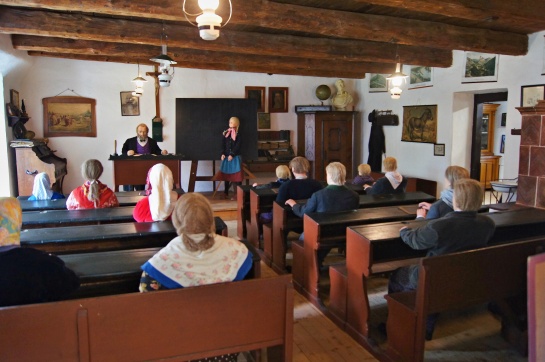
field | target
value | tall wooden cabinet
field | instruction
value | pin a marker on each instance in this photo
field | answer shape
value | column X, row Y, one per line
column 324, row 137
column 490, row 163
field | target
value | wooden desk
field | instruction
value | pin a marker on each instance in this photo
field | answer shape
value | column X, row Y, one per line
column 61, row 203
column 367, row 246
column 92, row 238
column 56, row 218
column 116, row 272
column 133, row 170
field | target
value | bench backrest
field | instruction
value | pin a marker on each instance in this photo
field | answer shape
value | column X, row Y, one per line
column 182, row 324
column 480, row 275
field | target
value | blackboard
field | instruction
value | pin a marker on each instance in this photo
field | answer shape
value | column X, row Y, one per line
column 200, row 123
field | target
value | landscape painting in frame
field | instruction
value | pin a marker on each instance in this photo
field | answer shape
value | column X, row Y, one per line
column 480, row 67
column 69, row 117
column 378, row 83
column 420, row 124
column 420, row 77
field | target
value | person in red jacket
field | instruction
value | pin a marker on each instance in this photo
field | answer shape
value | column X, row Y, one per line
column 159, row 204
column 92, row 194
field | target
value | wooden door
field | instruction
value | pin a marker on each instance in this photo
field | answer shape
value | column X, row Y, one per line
column 337, row 143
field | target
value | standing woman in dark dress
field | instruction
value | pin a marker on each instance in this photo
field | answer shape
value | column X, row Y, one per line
column 231, row 163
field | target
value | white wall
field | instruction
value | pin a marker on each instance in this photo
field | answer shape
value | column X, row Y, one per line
column 455, row 113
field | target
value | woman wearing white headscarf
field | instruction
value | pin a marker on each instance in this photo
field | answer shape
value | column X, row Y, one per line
column 42, row 189
column 159, row 204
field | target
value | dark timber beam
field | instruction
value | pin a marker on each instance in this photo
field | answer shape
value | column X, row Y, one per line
column 133, row 51
column 84, row 27
column 207, row 66
column 314, row 21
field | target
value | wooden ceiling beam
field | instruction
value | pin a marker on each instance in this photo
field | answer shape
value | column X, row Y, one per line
column 523, row 13
column 307, row 20
column 268, row 64
column 84, row 27
column 198, row 65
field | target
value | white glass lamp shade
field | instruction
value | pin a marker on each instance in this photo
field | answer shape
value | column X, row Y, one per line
column 209, row 25
column 209, row 4
column 395, row 92
column 138, row 92
column 139, row 81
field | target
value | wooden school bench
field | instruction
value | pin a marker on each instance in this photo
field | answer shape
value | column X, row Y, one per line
column 182, row 324
column 372, row 249
column 61, row 203
column 455, row 281
column 284, row 220
column 56, row 218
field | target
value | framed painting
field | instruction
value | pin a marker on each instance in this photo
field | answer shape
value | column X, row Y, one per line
column 68, row 116
column 439, row 149
column 530, row 94
column 278, row 99
column 480, row 67
column 14, row 98
column 257, row 93
column 420, row 77
column 130, row 104
column 543, row 69
column 420, row 124
column 378, row 83
column 263, row 120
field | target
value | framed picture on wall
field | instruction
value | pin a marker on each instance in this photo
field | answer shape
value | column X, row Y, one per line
column 480, row 67
column 263, row 120
column 439, row 149
column 502, row 144
column 278, row 99
column 67, row 116
column 530, row 94
column 130, row 104
column 420, row 77
column 14, row 98
column 378, row 83
column 257, row 93
column 420, row 124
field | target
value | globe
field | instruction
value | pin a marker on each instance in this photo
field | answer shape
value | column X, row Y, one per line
column 323, row 92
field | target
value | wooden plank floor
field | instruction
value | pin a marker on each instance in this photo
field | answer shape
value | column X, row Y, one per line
column 469, row 335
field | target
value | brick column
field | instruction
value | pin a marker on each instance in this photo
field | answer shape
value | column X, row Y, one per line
column 531, row 181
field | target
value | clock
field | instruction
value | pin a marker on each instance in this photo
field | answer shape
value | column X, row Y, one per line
column 19, row 130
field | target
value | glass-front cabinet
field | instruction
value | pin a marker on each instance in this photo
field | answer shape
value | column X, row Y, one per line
column 487, row 129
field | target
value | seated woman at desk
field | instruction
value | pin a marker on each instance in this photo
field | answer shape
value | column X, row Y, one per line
column 443, row 206
column 93, row 194
column 197, row 255
column 391, row 183
column 158, row 206
column 42, row 189
column 28, row 275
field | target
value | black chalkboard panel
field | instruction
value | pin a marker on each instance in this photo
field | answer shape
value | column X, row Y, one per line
column 200, row 123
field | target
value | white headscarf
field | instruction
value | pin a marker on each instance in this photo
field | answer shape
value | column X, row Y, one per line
column 162, row 198
column 42, row 187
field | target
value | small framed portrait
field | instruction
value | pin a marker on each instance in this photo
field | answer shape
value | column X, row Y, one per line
column 530, row 94
column 439, row 149
column 130, row 105
column 14, row 98
column 257, row 93
column 278, row 99
column 263, row 120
